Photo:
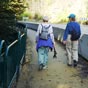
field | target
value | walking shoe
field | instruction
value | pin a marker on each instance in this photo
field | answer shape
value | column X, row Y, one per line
column 40, row 67
column 69, row 65
column 74, row 63
column 45, row 67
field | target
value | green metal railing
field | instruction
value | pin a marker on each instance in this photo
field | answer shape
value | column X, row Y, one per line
column 11, row 59
column 2, row 54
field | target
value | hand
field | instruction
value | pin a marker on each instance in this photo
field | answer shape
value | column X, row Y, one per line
column 54, row 43
column 64, row 42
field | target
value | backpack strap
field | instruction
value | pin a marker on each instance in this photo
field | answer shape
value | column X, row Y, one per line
column 42, row 27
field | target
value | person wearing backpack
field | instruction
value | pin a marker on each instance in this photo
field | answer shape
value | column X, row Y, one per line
column 45, row 41
column 70, row 38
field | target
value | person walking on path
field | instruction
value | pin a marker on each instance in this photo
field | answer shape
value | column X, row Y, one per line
column 70, row 38
column 45, row 41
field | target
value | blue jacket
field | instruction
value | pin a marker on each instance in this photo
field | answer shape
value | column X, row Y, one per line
column 44, row 43
column 69, row 28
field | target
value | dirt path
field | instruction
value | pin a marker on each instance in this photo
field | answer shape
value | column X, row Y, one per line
column 58, row 74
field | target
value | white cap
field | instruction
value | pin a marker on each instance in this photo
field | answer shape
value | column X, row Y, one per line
column 45, row 18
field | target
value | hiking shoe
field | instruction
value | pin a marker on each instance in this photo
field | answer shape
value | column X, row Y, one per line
column 45, row 67
column 69, row 65
column 40, row 67
column 74, row 63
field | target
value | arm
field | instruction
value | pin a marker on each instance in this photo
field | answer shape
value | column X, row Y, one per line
column 51, row 34
column 80, row 30
column 38, row 31
column 66, row 32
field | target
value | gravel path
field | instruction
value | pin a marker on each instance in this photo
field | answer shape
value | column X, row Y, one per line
column 58, row 74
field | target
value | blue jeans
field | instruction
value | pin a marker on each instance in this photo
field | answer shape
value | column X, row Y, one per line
column 43, row 55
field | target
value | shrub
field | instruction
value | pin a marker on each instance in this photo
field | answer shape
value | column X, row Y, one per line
column 37, row 16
